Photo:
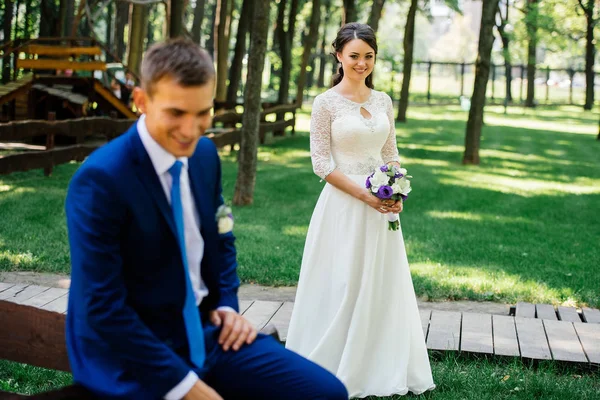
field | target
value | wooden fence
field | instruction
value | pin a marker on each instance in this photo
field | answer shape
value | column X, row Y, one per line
column 226, row 131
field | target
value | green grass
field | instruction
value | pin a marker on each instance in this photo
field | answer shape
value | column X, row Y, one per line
column 521, row 226
column 455, row 377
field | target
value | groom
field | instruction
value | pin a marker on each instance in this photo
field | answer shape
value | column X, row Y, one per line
column 153, row 307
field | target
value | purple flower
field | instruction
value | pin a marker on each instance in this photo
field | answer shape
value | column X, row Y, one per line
column 404, row 197
column 398, row 176
column 383, row 168
column 385, row 192
column 368, row 182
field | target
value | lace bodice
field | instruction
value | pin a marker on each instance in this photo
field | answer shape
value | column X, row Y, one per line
column 342, row 138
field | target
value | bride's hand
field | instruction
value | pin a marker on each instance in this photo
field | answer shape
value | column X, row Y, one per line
column 383, row 206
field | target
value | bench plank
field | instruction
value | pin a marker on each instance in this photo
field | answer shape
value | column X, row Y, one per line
column 568, row 314
column 46, row 297
column 563, row 341
column 545, row 311
column 245, row 305
column 532, row 339
column 27, row 293
column 58, row 305
column 444, row 330
column 525, row 310
column 12, row 291
column 591, row 315
column 282, row 318
column 505, row 336
column 425, row 316
column 589, row 335
column 476, row 334
column 261, row 312
column 35, row 337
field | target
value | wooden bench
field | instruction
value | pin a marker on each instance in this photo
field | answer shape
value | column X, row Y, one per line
column 37, row 337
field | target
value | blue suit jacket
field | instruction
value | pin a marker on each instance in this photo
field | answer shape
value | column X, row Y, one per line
column 125, row 331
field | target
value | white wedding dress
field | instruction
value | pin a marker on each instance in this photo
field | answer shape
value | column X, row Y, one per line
column 355, row 312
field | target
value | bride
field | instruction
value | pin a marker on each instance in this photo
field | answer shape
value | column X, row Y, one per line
column 356, row 311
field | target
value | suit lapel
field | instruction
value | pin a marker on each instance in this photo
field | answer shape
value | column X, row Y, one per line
column 146, row 173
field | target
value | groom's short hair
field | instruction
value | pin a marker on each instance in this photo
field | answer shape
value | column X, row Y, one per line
column 180, row 59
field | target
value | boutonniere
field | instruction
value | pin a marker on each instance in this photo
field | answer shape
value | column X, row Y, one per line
column 224, row 219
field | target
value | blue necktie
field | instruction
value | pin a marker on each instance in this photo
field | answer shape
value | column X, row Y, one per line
column 191, row 314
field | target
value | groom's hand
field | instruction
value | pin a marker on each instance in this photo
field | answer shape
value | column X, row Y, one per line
column 201, row 391
column 235, row 329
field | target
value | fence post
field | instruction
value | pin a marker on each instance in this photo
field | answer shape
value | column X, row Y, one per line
column 462, row 79
column 547, row 86
column 521, row 88
column 50, row 141
column 429, row 82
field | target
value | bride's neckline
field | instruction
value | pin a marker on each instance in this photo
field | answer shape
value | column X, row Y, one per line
column 352, row 101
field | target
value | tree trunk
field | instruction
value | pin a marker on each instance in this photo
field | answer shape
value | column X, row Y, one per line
column 69, row 17
column 176, row 18
column 409, row 42
column 222, row 48
column 198, row 19
column 235, row 72
column 246, row 178
column 47, row 18
column 309, row 45
column 324, row 53
column 109, row 30
column 210, row 43
column 590, row 55
column 505, row 38
column 120, row 23
column 349, row 14
column 278, row 33
column 138, row 25
column 286, row 41
column 532, row 16
column 375, row 15
column 482, row 72
column 7, row 27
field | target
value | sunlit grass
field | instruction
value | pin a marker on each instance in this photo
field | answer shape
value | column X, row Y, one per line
column 521, row 226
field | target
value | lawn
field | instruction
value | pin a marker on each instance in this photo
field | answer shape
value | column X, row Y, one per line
column 455, row 377
column 521, row 226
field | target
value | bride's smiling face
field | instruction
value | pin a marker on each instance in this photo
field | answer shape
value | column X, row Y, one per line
column 357, row 58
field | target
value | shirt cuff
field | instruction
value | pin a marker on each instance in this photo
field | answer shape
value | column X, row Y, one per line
column 179, row 391
column 226, row 308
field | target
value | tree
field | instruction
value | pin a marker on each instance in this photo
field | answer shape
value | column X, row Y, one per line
column 309, row 45
column 532, row 34
column 324, row 53
column 409, row 39
column 222, row 48
column 482, row 72
column 235, row 72
column 246, row 178
column 177, row 8
column 375, row 15
column 138, row 27
column 286, row 38
column 501, row 25
column 210, row 43
column 7, row 27
column 120, row 23
column 590, row 52
column 198, row 18
column 350, row 13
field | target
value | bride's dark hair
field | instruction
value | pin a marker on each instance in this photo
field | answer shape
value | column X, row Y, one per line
column 348, row 32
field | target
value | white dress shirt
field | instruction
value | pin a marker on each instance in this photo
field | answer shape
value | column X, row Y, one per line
column 162, row 160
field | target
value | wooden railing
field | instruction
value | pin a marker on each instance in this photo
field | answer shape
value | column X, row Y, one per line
column 226, row 131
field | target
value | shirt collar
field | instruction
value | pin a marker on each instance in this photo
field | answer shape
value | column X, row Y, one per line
column 161, row 159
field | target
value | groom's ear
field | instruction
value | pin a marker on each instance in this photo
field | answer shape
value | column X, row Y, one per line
column 140, row 98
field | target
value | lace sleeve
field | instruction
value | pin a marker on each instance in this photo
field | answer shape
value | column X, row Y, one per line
column 389, row 152
column 320, row 138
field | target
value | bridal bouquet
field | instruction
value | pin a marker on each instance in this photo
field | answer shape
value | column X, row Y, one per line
column 390, row 182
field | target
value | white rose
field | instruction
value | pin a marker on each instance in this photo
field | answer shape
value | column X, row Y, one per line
column 225, row 225
column 397, row 188
column 379, row 179
column 404, row 187
column 403, row 171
